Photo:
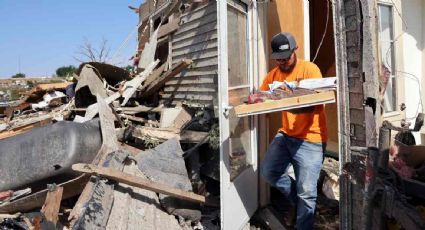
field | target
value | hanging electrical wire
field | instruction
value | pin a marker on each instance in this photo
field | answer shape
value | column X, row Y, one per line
column 324, row 32
column 404, row 73
column 399, row 14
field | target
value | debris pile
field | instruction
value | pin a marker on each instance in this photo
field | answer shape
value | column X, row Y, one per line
column 105, row 151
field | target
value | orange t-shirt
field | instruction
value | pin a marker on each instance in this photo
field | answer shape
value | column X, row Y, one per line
column 306, row 126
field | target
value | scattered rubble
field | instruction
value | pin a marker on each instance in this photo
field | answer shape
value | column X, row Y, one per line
column 54, row 128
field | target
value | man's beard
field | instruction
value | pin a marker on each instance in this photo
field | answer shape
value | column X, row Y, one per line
column 288, row 68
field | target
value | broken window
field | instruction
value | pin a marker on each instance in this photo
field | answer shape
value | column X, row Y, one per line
column 386, row 39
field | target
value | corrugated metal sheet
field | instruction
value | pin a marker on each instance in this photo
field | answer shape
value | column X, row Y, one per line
column 196, row 39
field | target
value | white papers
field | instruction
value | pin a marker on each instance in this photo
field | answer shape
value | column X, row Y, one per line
column 275, row 85
column 316, row 83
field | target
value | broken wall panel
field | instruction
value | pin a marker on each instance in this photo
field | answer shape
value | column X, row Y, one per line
column 196, row 39
column 149, row 7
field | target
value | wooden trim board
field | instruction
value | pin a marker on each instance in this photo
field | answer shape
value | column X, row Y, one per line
column 285, row 104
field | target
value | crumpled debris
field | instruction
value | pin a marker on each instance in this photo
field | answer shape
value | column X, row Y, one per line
column 5, row 195
column 3, row 127
column 330, row 187
column 165, row 164
column 398, row 164
column 10, row 195
column 48, row 99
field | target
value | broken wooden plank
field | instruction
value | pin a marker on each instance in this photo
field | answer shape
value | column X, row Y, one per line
column 92, row 210
column 107, row 125
column 134, row 118
column 154, row 75
column 148, row 53
column 9, row 216
column 93, row 109
column 130, row 87
column 140, row 109
column 10, row 111
column 168, row 28
column 148, row 90
column 138, row 182
column 134, row 207
column 51, row 206
column 71, row 188
column 50, row 86
column 186, row 136
column 25, row 127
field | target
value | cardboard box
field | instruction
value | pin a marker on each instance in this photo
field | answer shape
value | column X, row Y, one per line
column 318, row 98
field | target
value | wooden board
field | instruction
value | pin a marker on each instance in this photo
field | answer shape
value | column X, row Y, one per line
column 52, row 205
column 135, row 207
column 25, row 127
column 70, row 188
column 185, row 136
column 285, row 104
column 138, row 182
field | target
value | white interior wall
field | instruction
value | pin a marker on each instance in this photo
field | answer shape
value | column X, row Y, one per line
column 413, row 59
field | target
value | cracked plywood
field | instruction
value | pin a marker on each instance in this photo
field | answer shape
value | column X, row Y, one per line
column 136, row 208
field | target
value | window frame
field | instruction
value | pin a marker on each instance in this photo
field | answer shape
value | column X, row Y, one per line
column 395, row 110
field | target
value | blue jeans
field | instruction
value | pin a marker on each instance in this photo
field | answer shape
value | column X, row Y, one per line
column 306, row 159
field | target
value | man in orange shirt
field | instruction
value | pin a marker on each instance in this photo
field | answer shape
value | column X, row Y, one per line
column 301, row 141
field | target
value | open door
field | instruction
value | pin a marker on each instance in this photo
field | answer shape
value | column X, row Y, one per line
column 238, row 153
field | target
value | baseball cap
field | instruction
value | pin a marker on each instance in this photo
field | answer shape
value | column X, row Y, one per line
column 283, row 45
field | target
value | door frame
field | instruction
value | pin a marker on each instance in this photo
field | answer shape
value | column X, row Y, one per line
column 238, row 198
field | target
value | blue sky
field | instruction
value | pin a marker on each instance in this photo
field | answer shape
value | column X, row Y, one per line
column 46, row 34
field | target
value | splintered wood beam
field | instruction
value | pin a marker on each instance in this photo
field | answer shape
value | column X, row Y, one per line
column 133, row 118
column 139, row 109
column 168, row 28
column 94, row 204
column 52, row 204
column 139, row 182
column 24, row 128
column 153, row 87
column 156, row 73
column 186, row 136
column 71, row 188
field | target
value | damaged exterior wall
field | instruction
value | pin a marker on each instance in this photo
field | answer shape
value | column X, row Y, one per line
column 196, row 39
column 357, row 62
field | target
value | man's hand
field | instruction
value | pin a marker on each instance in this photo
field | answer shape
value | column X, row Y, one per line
column 302, row 110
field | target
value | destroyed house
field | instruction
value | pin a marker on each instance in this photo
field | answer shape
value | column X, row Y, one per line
column 185, row 32
column 178, row 145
